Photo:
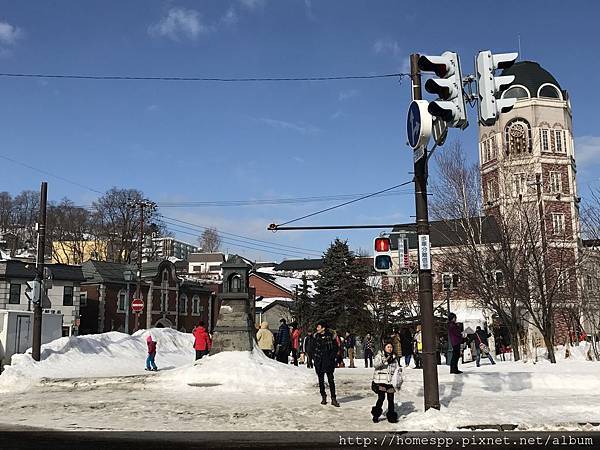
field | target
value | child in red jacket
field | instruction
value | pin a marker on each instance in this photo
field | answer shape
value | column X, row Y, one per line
column 151, row 354
column 202, row 340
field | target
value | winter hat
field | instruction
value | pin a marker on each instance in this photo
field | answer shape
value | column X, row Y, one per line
column 451, row 316
column 149, row 338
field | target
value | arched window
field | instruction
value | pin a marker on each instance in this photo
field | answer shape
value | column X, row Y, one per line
column 516, row 92
column 518, row 137
column 183, row 304
column 165, row 276
column 235, row 283
column 549, row 91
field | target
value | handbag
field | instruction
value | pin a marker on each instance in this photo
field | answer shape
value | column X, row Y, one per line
column 484, row 348
column 397, row 379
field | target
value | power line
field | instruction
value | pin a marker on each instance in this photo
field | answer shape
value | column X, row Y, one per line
column 274, row 226
column 205, row 79
column 274, row 201
column 202, row 227
column 240, row 245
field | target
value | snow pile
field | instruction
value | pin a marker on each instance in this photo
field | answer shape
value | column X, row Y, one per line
column 98, row 355
column 237, row 372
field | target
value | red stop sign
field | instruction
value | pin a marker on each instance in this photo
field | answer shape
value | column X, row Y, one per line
column 137, row 305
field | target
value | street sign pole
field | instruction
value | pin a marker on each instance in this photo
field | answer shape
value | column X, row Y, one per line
column 430, row 375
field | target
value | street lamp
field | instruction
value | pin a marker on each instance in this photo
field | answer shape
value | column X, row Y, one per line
column 128, row 275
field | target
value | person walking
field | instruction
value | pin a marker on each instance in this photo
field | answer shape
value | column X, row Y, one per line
column 396, row 342
column 406, row 344
column 455, row 340
column 350, row 344
column 482, row 345
column 295, row 341
column 386, row 363
column 325, row 351
column 418, row 348
column 150, row 364
column 265, row 339
column 309, row 350
column 339, row 360
column 368, row 350
column 283, row 342
column 202, row 341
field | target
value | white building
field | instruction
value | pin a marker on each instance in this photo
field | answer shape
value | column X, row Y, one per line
column 64, row 295
column 206, row 265
column 161, row 248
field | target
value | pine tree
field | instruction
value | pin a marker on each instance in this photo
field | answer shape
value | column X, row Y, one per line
column 342, row 291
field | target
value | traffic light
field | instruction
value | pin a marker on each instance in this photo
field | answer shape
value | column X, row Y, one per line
column 450, row 104
column 382, row 262
column 489, row 86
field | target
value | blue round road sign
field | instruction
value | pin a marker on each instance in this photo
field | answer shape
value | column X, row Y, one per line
column 418, row 124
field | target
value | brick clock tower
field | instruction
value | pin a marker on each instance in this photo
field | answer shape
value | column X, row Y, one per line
column 528, row 156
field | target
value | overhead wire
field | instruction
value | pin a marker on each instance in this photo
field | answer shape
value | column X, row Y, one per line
column 204, row 79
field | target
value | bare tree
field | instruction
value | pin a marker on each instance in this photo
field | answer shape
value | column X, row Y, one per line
column 210, row 241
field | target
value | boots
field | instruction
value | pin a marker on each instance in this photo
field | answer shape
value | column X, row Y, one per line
column 323, row 400
column 392, row 417
column 376, row 412
column 334, row 402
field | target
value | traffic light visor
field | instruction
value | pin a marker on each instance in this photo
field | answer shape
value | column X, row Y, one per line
column 382, row 245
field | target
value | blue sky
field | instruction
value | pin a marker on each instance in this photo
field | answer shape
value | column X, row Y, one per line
column 185, row 141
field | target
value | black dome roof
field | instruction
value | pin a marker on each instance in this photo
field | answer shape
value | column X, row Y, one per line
column 531, row 75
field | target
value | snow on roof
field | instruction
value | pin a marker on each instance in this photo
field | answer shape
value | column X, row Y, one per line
column 264, row 302
column 288, row 283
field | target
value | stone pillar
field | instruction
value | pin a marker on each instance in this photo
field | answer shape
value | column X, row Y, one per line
column 235, row 329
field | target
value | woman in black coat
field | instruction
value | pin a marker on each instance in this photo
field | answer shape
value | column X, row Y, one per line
column 325, row 350
column 406, row 342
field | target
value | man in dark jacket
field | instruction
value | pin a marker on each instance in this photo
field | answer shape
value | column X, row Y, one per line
column 406, row 344
column 481, row 337
column 325, row 350
column 456, row 339
column 350, row 344
column 283, row 342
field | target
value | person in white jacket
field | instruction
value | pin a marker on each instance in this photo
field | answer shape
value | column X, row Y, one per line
column 386, row 362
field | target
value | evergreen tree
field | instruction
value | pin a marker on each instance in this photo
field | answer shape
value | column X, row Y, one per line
column 342, row 291
column 303, row 307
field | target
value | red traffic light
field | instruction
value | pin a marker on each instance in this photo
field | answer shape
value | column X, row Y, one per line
column 382, row 244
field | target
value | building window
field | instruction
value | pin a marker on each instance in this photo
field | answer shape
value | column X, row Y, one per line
column 183, row 304
column 549, row 91
column 491, row 191
column 83, row 299
column 68, row 296
column 235, row 283
column 555, row 183
column 122, row 301
column 562, row 281
column 197, row 268
column 66, row 331
column 195, row 305
column 214, row 268
column 516, row 92
column 485, row 151
column 15, row 294
column 558, row 223
column 544, row 139
column 165, row 277
column 520, row 184
column 449, row 281
column 518, row 137
column 558, row 139
column 499, row 279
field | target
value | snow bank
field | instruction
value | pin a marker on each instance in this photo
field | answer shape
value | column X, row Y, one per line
column 237, row 372
column 98, row 355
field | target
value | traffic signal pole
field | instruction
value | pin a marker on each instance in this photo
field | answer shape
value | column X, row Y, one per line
column 430, row 375
column 39, row 268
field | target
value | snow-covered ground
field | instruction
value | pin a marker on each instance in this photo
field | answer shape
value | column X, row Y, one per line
column 98, row 383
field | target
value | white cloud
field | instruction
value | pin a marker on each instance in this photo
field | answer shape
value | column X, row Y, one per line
column 180, row 23
column 309, row 11
column 383, row 46
column 587, row 150
column 298, row 159
column 230, row 17
column 300, row 127
column 9, row 34
column 337, row 115
column 152, row 108
column 348, row 94
column 405, row 68
column 253, row 4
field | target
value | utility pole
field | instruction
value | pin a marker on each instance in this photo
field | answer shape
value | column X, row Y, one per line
column 39, row 276
column 142, row 203
column 430, row 375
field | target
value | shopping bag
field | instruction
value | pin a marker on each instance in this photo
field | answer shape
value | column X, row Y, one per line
column 397, row 378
